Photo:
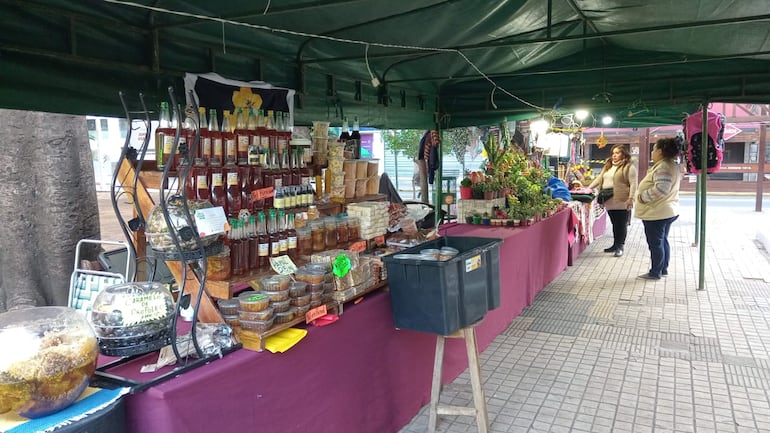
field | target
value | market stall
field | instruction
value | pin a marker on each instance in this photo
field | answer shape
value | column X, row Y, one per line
column 358, row 371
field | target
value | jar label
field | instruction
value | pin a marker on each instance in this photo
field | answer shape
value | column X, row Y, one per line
column 264, row 250
column 232, row 178
column 202, row 181
column 218, row 147
column 292, row 242
column 206, row 146
column 216, row 179
column 283, row 245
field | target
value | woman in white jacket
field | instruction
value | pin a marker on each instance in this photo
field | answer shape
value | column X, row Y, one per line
column 618, row 173
column 657, row 204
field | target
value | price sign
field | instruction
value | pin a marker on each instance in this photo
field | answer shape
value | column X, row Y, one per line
column 211, row 221
column 341, row 266
column 283, row 265
column 358, row 246
column 315, row 313
column 262, row 193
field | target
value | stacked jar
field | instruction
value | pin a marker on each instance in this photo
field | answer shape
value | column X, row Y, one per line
column 337, row 178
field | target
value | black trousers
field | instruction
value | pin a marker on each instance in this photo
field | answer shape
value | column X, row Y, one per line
column 619, row 220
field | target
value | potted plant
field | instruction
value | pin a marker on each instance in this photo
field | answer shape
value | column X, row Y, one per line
column 490, row 190
column 466, row 188
column 478, row 191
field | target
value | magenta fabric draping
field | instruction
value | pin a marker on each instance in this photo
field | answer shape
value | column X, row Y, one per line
column 358, row 374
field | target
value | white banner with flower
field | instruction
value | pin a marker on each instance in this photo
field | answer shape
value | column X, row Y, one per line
column 214, row 91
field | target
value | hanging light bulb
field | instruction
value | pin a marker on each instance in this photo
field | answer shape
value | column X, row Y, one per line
column 606, row 120
column 581, row 114
column 539, row 126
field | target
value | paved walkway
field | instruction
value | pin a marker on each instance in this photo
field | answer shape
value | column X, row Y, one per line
column 602, row 351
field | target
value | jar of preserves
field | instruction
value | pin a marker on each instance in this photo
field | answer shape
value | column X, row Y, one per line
column 342, row 230
column 317, row 235
column 218, row 267
column 330, row 232
column 354, row 229
column 304, row 241
column 312, row 212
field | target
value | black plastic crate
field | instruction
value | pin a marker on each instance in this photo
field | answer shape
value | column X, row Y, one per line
column 441, row 297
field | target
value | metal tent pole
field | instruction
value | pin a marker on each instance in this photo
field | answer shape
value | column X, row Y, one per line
column 704, row 165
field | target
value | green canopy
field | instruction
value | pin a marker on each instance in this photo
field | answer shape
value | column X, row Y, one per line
column 465, row 62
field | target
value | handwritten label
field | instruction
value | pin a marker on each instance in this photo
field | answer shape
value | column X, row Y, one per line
column 283, row 265
column 210, row 221
column 315, row 313
column 379, row 240
column 358, row 246
column 262, row 193
column 472, row 263
column 142, row 308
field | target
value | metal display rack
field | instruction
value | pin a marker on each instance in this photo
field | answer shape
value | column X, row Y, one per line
column 188, row 267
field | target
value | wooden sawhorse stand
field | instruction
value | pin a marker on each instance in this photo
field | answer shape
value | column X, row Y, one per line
column 480, row 404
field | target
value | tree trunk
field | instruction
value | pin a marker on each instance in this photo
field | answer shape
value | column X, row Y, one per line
column 424, row 194
column 47, row 204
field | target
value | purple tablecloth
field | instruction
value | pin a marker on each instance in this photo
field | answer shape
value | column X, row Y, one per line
column 359, row 374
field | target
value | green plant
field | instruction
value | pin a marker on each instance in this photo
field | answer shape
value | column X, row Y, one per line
column 466, row 182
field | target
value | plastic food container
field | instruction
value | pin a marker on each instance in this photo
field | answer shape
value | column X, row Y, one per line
column 433, row 252
column 311, row 275
column 316, row 287
column 297, row 288
column 447, row 253
column 228, row 307
column 48, row 357
column 132, row 318
column 265, row 314
column 275, row 283
column 281, row 306
column 258, row 326
column 316, row 296
column 252, row 301
column 281, row 295
column 232, row 320
column 302, row 310
column 285, row 316
column 315, row 304
column 300, row 301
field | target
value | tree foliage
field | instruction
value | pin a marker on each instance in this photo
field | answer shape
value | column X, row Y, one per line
column 403, row 141
column 407, row 142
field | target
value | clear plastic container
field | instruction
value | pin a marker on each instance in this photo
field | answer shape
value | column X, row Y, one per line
column 228, row 306
column 297, row 288
column 281, row 306
column 285, row 316
column 277, row 296
column 132, row 318
column 47, row 359
column 318, row 235
column 252, row 301
column 354, row 229
column 309, row 274
column 330, row 232
column 257, row 326
column 304, row 241
column 300, row 301
column 342, row 230
column 218, row 267
column 265, row 314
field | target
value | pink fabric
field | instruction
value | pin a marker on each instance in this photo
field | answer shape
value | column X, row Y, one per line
column 359, row 374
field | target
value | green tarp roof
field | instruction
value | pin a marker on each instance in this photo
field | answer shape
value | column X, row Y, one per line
column 472, row 61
